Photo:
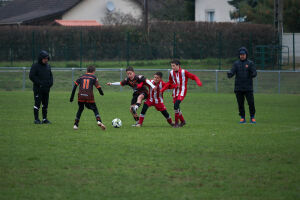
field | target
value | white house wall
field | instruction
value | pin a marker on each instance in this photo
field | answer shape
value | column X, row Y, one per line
column 221, row 7
column 96, row 10
column 287, row 42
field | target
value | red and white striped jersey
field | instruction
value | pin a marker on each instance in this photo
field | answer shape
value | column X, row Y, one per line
column 178, row 81
column 156, row 96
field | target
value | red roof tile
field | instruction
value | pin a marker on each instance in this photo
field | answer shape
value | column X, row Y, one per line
column 77, row 22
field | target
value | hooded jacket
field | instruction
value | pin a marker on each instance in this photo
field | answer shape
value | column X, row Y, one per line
column 40, row 73
column 244, row 71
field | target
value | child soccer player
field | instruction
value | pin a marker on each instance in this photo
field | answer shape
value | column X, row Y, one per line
column 178, row 79
column 155, row 98
column 139, row 94
column 86, row 95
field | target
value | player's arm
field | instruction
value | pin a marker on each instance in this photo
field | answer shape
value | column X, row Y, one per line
column 33, row 75
column 194, row 77
column 114, row 83
column 232, row 72
column 73, row 91
column 100, row 91
column 150, row 84
column 140, row 85
column 168, row 85
column 51, row 79
column 253, row 70
column 122, row 83
column 97, row 85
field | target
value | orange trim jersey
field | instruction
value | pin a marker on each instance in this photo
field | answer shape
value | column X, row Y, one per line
column 86, row 83
column 134, row 84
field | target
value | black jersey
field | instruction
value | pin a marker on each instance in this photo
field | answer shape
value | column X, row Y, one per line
column 86, row 83
column 134, row 83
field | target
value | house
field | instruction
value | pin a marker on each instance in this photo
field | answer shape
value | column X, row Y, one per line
column 213, row 11
column 100, row 10
column 45, row 12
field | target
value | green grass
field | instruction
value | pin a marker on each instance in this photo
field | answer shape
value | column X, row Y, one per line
column 213, row 157
column 208, row 63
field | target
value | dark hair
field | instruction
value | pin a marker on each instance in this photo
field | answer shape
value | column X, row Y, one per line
column 175, row 61
column 129, row 69
column 159, row 74
column 91, row 69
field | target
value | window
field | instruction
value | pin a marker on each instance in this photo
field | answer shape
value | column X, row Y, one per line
column 4, row 2
column 210, row 15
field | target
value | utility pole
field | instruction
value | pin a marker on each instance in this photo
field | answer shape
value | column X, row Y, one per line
column 278, row 25
column 146, row 16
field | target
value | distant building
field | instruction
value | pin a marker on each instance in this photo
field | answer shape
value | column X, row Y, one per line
column 100, row 9
column 4, row 2
column 45, row 12
column 213, row 11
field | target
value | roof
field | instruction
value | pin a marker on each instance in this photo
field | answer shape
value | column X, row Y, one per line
column 77, row 22
column 26, row 11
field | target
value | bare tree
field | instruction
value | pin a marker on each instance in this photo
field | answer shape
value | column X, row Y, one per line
column 120, row 18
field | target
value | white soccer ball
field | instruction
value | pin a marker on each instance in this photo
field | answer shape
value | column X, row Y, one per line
column 116, row 123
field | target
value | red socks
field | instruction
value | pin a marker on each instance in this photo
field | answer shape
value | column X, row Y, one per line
column 181, row 117
column 141, row 119
column 176, row 118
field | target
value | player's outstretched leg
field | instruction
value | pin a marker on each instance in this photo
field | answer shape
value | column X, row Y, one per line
column 142, row 115
column 36, row 115
column 76, row 124
column 97, row 116
column 99, row 122
column 181, row 119
column 102, row 126
column 177, row 111
column 134, row 115
column 167, row 116
column 78, row 115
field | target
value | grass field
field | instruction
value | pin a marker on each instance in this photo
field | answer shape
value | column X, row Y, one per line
column 212, row 157
column 207, row 63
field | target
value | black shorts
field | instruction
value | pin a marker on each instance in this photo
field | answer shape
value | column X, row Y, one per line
column 136, row 95
column 91, row 106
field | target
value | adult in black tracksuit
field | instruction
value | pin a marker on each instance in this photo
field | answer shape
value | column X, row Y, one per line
column 244, row 71
column 42, row 78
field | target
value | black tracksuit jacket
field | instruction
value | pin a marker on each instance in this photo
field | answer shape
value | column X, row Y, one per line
column 244, row 72
column 41, row 75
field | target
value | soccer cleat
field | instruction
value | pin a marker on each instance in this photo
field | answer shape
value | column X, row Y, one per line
column 46, row 121
column 134, row 108
column 253, row 121
column 182, row 124
column 176, row 126
column 138, row 125
column 75, row 127
column 242, row 121
column 102, row 126
column 172, row 124
column 37, row 121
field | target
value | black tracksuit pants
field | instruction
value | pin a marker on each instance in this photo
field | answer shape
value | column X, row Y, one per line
column 41, row 96
column 91, row 106
column 240, row 97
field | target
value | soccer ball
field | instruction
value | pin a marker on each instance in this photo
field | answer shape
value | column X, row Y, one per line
column 116, row 123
